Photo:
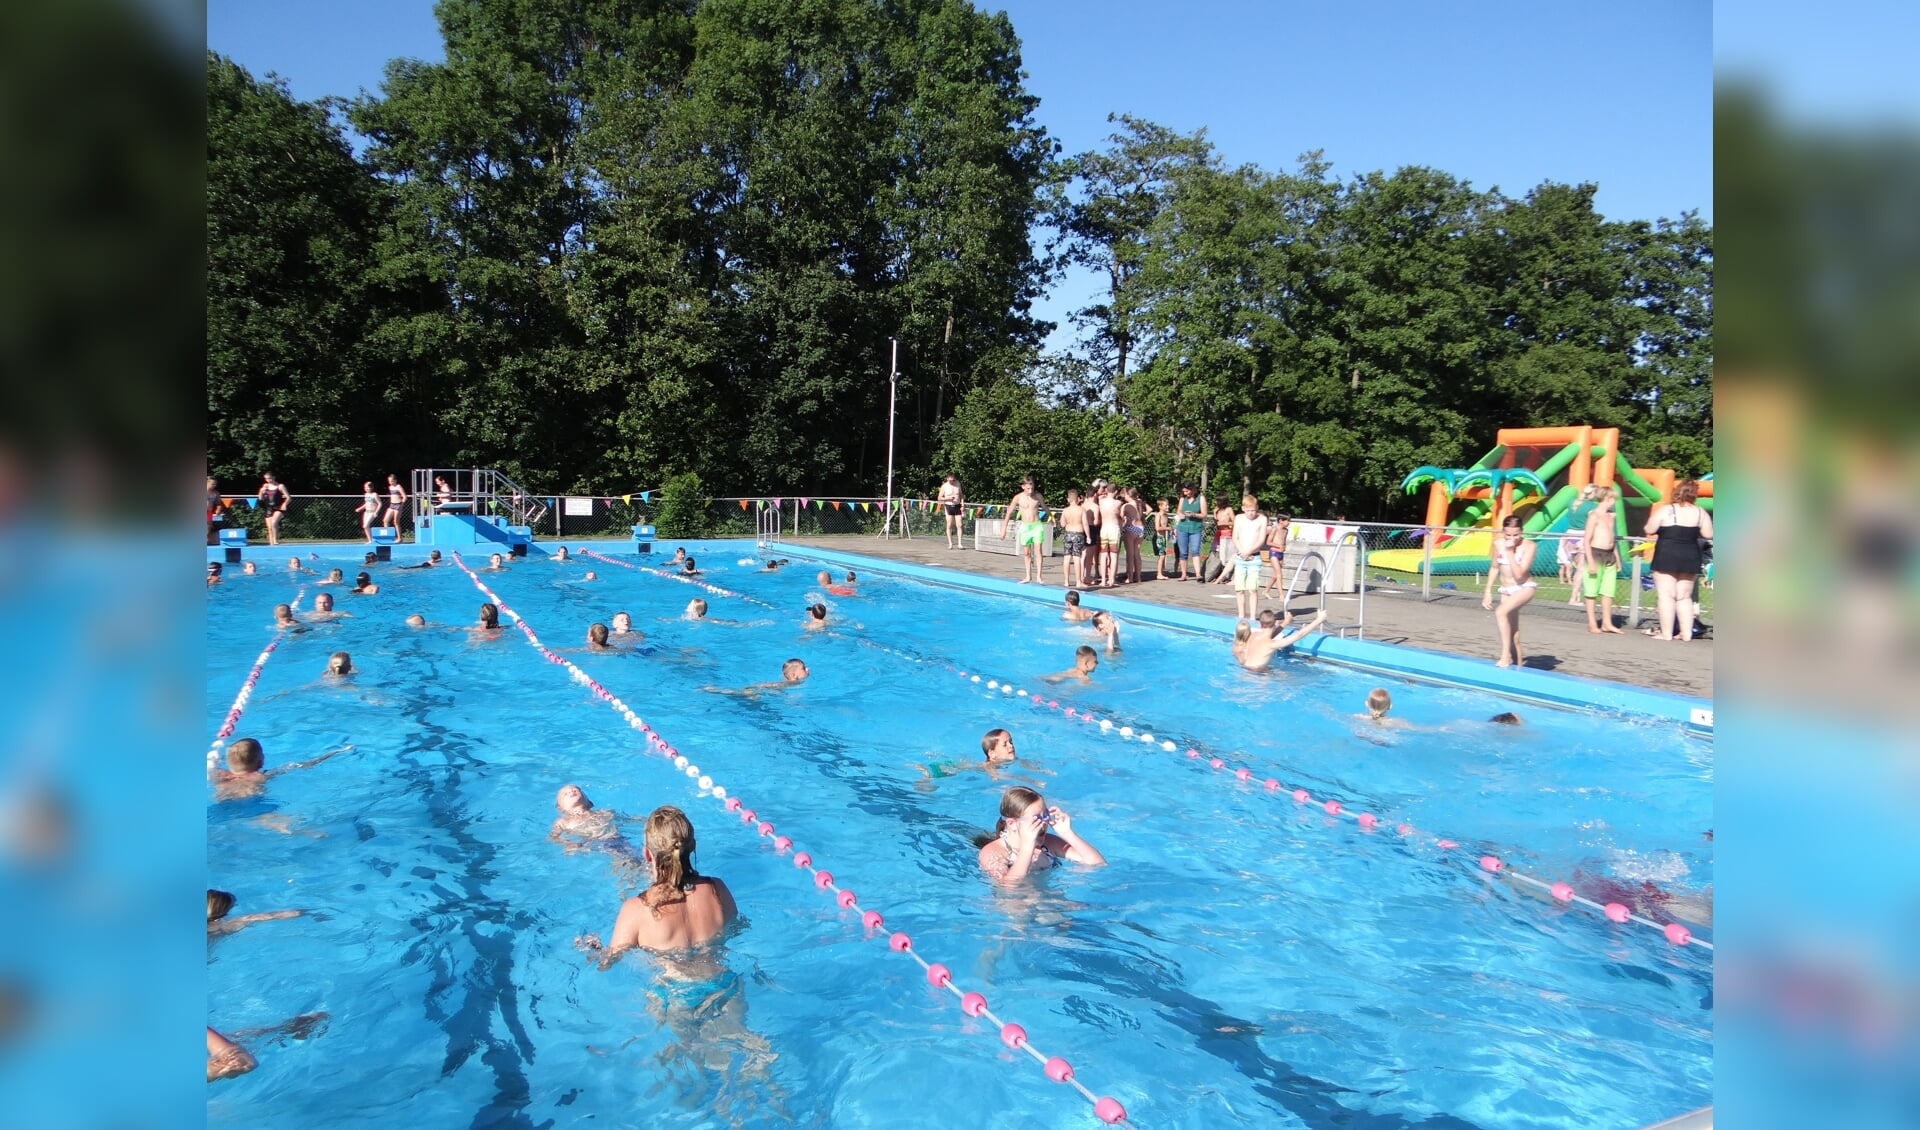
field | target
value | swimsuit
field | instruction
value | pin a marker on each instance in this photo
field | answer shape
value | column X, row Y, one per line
column 1604, row 565
column 1110, row 534
column 1508, row 590
column 953, row 509
column 1076, row 542
column 1032, row 533
column 1676, row 548
column 1039, row 845
column 1246, row 574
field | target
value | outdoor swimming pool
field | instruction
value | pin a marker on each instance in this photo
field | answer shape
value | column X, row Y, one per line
column 1242, row 960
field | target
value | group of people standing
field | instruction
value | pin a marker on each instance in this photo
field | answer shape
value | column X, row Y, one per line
column 274, row 497
column 1108, row 531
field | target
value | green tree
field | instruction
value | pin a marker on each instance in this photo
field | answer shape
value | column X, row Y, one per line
column 289, row 238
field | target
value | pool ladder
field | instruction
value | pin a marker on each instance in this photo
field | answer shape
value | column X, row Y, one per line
column 1359, row 625
column 766, row 524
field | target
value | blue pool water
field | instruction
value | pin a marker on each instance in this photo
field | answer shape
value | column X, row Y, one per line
column 1242, row 961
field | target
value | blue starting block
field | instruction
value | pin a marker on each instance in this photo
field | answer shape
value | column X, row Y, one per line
column 233, row 541
column 642, row 539
column 384, row 539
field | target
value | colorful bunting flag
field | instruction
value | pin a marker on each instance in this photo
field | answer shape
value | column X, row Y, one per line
column 646, row 496
column 866, row 506
column 804, row 501
column 627, row 498
column 253, row 503
column 743, row 504
column 836, row 505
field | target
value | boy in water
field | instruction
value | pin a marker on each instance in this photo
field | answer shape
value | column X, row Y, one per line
column 219, row 903
column 1074, row 613
column 245, row 776
column 792, row 673
column 1085, row 662
column 1378, row 703
column 996, row 747
column 1255, row 651
column 339, row 666
column 284, row 619
column 816, row 618
column 1109, row 629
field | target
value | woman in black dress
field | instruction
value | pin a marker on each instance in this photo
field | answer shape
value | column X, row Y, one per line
column 1678, row 528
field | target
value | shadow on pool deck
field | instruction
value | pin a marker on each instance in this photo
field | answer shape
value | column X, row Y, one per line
column 1553, row 634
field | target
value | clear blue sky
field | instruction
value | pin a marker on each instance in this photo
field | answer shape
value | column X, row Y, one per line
column 1502, row 93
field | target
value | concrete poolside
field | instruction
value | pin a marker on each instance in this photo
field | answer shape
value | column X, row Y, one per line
column 1554, row 635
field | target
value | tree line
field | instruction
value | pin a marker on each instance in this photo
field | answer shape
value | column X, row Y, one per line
column 606, row 242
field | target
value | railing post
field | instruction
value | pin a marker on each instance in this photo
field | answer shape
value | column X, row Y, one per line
column 1426, row 567
column 1633, row 605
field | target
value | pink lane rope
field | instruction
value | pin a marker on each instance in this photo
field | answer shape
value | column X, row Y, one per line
column 246, row 689
column 938, row 975
column 681, row 577
column 1561, row 892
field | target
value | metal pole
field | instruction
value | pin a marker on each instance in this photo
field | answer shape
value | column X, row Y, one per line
column 1633, row 607
column 1426, row 567
column 893, row 388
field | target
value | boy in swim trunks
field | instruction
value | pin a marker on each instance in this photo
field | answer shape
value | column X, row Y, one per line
column 1249, row 535
column 1073, row 523
column 1025, row 509
column 954, row 504
column 1600, row 561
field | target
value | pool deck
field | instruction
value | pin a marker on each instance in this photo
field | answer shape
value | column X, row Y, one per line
column 1554, row 639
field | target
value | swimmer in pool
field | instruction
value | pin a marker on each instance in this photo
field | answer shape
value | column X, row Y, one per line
column 560, row 554
column 580, row 825
column 773, row 566
column 689, row 568
column 1255, row 650
column 679, row 555
column 250, row 569
column 370, row 559
column 323, row 608
column 495, row 564
column 696, row 610
column 1074, row 613
column 816, row 620
column 1085, row 662
column 1378, row 703
column 792, row 673
column 590, row 576
column 433, row 558
column 363, row 584
column 213, row 573
column 1021, row 843
column 681, row 908
column 416, row 621
column 333, row 577
column 339, row 666
column 996, row 747
column 489, row 619
column 1109, row 629
column 245, row 776
column 219, row 925
column 1508, row 718
column 623, row 628
column 284, row 619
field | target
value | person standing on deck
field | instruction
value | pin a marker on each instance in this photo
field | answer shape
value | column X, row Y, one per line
column 1025, row 508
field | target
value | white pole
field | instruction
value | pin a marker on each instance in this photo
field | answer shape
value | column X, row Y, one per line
column 893, row 388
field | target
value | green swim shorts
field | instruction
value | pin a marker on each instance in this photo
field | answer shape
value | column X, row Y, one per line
column 1603, row 581
column 1032, row 533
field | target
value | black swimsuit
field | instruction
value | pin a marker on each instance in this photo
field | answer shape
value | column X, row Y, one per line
column 1676, row 548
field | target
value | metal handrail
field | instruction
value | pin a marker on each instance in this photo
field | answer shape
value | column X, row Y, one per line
column 1360, row 625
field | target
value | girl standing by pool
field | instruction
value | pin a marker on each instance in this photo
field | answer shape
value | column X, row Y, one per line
column 1020, row 842
column 1513, row 571
column 275, row 498
column 369, row 509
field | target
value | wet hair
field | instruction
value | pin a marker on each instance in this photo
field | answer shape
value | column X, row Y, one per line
column 1012, row 803
column 817, row 611
column 1379, row 701
column 1686, row 490
column 1508, row 718
column 338, row 575
column 1267, row 617
column 361, row 579
column 1073, row 597
column 622, row 615
column 850, row 576
column 690, row 565
column 283, row 612
column 992, row 738
column 1242, row 632
column 370, row 558
column 792, row 670
column 1085, row 652
column 489, row 615
column 1100, row 618
column 416, row 621
column 669, row 836
column 433, row 555
column 218, row 904
column 339, row 663
column 322, row 602
column 245, row 756
column 698, row 605
column 597, row 634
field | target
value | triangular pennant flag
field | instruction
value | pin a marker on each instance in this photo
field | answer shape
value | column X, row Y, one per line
column 743, row 503
column 776, row 502
column 804, row 501
column 866, row 506
column 226, row 502
column 763, row 504
column 253, row 504
column 627, row 498
column 646, row 496
column 836, row 506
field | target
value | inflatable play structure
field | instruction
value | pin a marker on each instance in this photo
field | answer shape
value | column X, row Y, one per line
column 1537, row 473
